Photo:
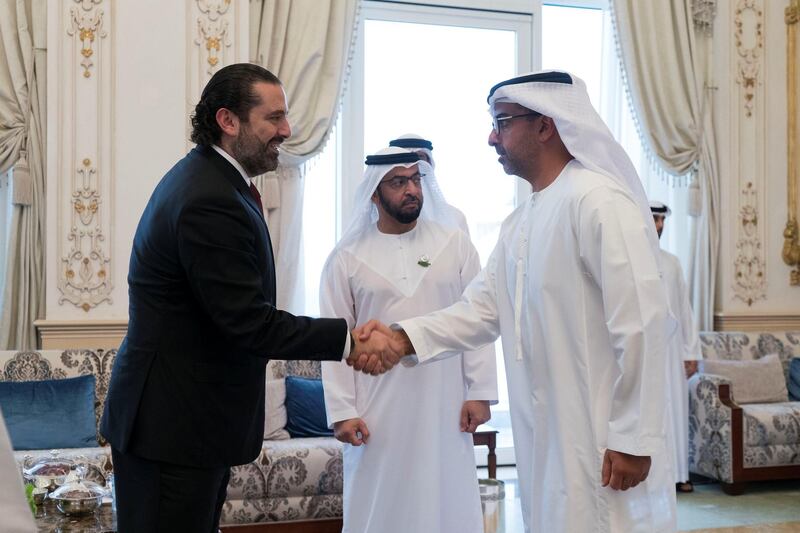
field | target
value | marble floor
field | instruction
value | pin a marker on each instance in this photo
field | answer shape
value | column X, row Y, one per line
column 766, row 507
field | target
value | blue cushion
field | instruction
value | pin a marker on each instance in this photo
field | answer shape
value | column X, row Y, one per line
column 305, row 408
column 56, row 413
column 793, row 384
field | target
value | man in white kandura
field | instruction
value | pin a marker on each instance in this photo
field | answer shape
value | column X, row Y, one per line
column 683, row 353
column 424, row 149
column 409, row 463
column 573, row 286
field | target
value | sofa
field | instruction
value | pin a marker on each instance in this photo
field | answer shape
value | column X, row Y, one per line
column 294, row 483
column 737, row 441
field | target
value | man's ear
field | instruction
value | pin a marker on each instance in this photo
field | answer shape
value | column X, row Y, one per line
column 228, row 121
column 547, row 128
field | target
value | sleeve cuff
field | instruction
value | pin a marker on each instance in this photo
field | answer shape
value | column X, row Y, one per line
column 341, row 414
column 417, row 341
column 483, row 395
column 642, row 445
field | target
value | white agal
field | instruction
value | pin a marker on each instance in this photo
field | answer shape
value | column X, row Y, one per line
column 684, row 345
column 417, row 471
column 573, row 286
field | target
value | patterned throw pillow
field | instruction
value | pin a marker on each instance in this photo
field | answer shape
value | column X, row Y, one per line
column 753, row 381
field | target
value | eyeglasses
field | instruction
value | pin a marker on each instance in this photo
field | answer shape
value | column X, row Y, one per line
column 500, row 123
column 401, row 182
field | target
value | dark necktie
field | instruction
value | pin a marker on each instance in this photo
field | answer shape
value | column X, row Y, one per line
column 257, row 197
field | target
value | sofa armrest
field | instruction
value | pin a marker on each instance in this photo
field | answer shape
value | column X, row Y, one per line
column 712, row 412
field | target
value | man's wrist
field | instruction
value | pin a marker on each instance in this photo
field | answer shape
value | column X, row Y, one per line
column 352, row 345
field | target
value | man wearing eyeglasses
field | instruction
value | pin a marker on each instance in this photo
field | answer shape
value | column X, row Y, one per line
column 574, row 287
column 408, row 457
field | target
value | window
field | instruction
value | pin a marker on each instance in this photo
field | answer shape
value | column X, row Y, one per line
column 427, row 70
column 320, row 213
column 597, row 64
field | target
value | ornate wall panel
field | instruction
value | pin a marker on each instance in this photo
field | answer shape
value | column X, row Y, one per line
column 748, row 118
column 218, row 36
column 84, row 152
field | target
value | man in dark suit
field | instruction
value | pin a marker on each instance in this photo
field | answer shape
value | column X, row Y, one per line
column 186, row 397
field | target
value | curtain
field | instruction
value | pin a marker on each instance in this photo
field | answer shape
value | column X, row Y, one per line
column 23, row 28
column 667, row 71
column 308, row 45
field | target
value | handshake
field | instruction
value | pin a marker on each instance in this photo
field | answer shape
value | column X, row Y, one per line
column 375, row 348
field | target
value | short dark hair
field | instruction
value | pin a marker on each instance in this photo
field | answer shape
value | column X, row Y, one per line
column 230, row 88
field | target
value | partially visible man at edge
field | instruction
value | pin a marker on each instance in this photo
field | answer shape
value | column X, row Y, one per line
column 683, row 354
column 186, row 396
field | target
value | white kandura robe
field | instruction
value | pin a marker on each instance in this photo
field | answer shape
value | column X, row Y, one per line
column 684, row 345
column 417, row 471
column 574, row 289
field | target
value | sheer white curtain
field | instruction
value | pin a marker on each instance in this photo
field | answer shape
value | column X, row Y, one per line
column 667, row 71
column 308, row 45
column 23, row 26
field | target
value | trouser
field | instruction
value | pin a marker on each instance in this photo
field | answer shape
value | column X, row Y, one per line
column 158, row 497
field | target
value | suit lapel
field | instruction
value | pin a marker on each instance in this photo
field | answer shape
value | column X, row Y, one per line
column 232, row 175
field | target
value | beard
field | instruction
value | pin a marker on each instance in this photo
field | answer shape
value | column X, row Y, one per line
column 397, row 212
column 255, row 156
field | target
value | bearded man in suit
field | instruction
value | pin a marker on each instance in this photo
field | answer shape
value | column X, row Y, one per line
column 186, row 397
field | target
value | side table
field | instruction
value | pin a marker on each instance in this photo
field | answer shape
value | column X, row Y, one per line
column 486, row 436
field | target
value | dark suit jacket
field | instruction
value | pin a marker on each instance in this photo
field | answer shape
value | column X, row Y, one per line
column 187, row 385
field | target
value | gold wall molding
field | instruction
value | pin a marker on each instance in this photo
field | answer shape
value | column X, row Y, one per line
column 83, row 170
column 86, row 23
column 217, row 34
column 85, row 280
column 63, row 334
column 212, row 31
column 749, row 40
column 759, row 322
column 791, row 247
column 750, row 279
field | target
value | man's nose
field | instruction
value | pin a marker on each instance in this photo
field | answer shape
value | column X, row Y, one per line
column 493, row 140
column 413, row 188
column 285, row 129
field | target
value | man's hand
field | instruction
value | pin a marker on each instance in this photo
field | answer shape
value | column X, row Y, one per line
column 473, row 414
column 376, row 352
column 353, row 431
column 690, row 367
column 398, row 340
column 622, row 471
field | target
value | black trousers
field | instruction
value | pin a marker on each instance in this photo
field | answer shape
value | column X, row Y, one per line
column 156, row 497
